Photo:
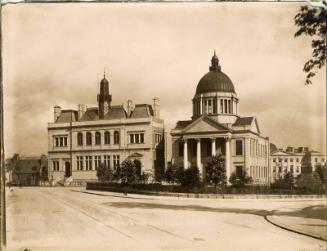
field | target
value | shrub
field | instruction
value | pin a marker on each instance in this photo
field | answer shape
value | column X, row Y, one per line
column 240, row 180
column 190, row 177
column 169, row 174
column 127, row 172
column 309, row 181
column 216, row 171
column 104, row 173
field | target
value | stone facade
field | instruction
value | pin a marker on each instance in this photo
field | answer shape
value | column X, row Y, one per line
column 216, row 127
column 80, row 140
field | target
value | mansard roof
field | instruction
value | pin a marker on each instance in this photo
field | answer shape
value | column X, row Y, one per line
column 67, row 116
column 116, row 112
column 142, row 111
column 90, row 114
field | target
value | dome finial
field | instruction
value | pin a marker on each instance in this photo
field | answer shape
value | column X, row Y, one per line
column 214, row 63
column 104, row 72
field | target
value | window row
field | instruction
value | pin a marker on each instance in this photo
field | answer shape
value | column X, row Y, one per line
column 157, row 138
column 97, row 138
column 258, row 171
column 89, row 163
column 279, row 169
column 60, row 141
column 286, row 159
column 136, row 138
column 257, row 149
column 210, row 106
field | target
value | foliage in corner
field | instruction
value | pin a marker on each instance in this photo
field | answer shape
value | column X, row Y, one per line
column 312, row 22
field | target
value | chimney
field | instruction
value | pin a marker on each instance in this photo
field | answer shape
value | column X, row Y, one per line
column 156, row 107
column 81, row 110
column 130, row 107
column 57, row 112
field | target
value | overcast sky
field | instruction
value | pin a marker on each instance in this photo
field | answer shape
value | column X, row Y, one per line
column 54, row 54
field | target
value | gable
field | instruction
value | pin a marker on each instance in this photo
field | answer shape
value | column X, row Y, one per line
column 255, row 126
column 203, row 125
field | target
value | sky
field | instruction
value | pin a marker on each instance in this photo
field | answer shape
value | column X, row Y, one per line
column 55, row 54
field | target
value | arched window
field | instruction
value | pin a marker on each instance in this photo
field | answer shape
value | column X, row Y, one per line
column 79, row 139
column 116, row 137
column 88, row 138
column 107, row 138
column 97, row 138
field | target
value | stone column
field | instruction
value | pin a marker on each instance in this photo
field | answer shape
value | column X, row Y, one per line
column 198, row 156
column 227, row 158
column 213, row 146
column 185, row 154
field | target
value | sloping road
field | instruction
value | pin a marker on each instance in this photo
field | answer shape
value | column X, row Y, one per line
column 52, row 218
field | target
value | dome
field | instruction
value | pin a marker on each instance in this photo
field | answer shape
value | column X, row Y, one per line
column 104, row 81
column 215, row 80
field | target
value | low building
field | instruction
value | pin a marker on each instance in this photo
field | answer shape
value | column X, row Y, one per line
column 294, row 160
column 27, row 170
column 216, row 127
column 81, row 140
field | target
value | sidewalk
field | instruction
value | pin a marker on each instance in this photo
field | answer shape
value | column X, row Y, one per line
column 307, row 220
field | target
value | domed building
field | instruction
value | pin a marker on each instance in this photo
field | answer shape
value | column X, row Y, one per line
column 217, row 128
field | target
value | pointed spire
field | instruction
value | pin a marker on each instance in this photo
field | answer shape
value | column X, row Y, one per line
column 214, row 53
column 104, row 72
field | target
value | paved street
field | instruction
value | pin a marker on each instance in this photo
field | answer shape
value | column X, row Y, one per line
column 51, row 218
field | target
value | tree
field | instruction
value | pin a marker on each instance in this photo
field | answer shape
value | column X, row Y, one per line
column 310, row 181
column 312, row 22
column 216, row 171
column 127, row 172
column 104, row 173
column 286, row 182
column 169, row 174
column 190, row 177
column 240, row 180
column 321, row 171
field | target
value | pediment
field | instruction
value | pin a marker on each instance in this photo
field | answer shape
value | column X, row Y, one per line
column 204, row 124
column 254, row 126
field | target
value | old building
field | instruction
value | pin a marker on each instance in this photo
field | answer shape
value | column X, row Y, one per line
column 27, row 170
column 80, row 140
column 216, row 127
column 295, row 160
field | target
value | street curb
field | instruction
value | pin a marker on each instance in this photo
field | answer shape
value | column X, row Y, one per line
column 288, row 228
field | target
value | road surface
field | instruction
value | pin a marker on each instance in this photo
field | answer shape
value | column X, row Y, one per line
column 41, row 218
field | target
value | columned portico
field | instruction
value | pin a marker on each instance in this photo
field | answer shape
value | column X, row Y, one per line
column 227, row 158
column 213, row 146
column 198, row 157
column 185, row 154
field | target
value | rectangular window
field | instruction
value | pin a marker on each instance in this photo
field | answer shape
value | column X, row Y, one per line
column 142, row 138
column 137, row 138
column 88, row 163
column 285, row 160
column 180, row 149
column 221, row 106
column 79, row 163
column 55, row 165
column 225, row 105
column 107, row 161
column 239, row 147
column 210, row 108
column 97, row 161
column 239, row 171
column 116, row 161
column 60, row 141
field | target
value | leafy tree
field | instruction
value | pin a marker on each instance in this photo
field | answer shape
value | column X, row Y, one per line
column 240, row 180
column 216, row 171
column 104, row 173
column 169, row 174
column 321, row 171
column 44, row 173
column 312, row 22
column 138, row 166
column 127, row 172
column 190, row 177
column 310, row 181
column 286, row 182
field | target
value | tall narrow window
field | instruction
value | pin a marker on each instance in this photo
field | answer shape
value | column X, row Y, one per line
column 225, row 105
column 107, row 161
column 116, row 137
column 221, row 106
column 88, row 138
column 229, row 107
column 97, row 161
column 79, row 139
column 180, row 149
column 239, row 147
column 97, row 138
column 107, row 138
column 142, row 138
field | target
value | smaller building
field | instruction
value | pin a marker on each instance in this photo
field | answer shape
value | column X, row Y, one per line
column 27, row 170
column 294, row 160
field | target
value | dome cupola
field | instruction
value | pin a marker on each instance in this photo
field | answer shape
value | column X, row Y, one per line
column 215, row 80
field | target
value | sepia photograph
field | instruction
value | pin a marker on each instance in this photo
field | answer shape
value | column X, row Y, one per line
column 163, row 126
